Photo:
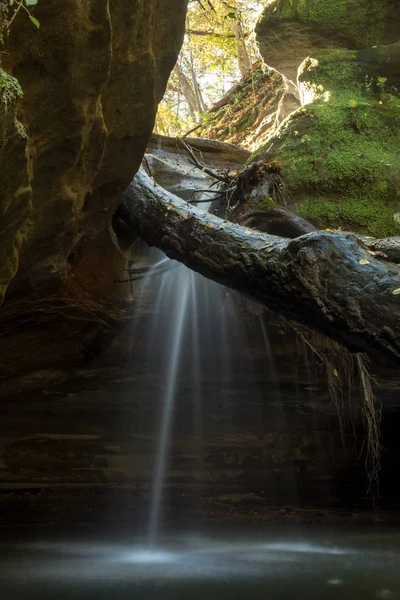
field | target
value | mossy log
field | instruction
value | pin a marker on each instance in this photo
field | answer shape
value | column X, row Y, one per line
column 329, row 282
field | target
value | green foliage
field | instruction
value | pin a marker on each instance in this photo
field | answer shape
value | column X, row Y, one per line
column 209, row 58
column 248, row 107
column 10, row 90
column 23, row 4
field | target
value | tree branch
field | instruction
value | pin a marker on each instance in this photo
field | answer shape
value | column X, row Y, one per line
column 196, row 163
column 205, row 33
column 324, row 280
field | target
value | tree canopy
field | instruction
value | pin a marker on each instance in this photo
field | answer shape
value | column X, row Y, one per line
column 219, row 48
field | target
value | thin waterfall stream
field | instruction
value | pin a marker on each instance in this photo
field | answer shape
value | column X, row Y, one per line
column 183, row 354
column 178, row 293
column 184, row 344
column 192, row 341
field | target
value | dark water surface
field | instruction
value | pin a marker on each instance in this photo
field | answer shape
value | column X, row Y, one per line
column 355, row 564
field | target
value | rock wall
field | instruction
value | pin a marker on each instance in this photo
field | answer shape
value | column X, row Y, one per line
column 340, row 151
column 92, row 76
column 267, row 438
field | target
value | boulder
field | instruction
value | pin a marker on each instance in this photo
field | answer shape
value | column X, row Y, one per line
column 91, row 76
column 291, row 30
column 340, row 152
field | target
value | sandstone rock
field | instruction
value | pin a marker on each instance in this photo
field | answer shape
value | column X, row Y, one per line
column 92, row 76
column 14, row 189
column 291, row 30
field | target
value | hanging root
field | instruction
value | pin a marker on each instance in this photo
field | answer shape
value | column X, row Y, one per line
column 372, row 413
column 341, row 367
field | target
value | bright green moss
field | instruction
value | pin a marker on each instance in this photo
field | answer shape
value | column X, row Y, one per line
column 266, row 203
column 363, row 22
column 341, row 152
column 346, row 139
column 370, row 217
column 10, row 90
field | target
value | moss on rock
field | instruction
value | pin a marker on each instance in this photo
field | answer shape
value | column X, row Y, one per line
column 363, row 22
column 291, row 30
column 341, row 151
column 10, row 90
column 246, row 114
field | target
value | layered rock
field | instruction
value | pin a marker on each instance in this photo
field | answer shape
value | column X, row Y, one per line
column 92, row 76
column 14, row 183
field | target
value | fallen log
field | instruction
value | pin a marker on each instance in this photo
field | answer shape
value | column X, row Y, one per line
column 327, row 281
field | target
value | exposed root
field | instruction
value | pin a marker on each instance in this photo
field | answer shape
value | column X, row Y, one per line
column 223, row 178
column 372, row 413
column 341, row 368
column 262, row 178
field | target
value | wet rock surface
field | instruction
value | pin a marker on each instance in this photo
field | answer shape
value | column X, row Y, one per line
column 269, row 444
column 91, row 77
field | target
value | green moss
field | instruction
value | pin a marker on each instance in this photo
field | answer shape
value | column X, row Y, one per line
column 337, row 68
column 370, row 217
column 10, row 90
column 265, row 203
column 341, row 152
column 346, row 139
column 363, row 22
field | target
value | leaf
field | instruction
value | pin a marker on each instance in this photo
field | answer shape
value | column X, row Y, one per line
column 34, row 21
column 364, row 261
column 231, row 15
column 31, row 2
column 396, row 292
column 335, row 372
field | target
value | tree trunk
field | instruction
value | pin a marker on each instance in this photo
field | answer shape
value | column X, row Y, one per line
column 329, row 282
column 200, row 100
column 241, row 49
column 187, row 91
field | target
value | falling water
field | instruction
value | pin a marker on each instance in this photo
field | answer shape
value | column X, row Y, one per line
column 197, row 351
column 193, row 342
column 183, row 353
column 179, row 307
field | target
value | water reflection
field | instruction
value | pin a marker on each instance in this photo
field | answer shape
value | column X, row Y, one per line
column 185, row 568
